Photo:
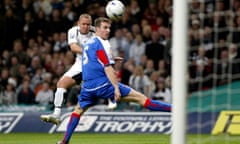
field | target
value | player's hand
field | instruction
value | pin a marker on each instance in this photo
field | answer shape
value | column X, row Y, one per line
column 117, row 94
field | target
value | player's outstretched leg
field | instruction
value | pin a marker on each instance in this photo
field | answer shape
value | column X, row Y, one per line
column 156, row 105
column 58, row 101
column 72, row 124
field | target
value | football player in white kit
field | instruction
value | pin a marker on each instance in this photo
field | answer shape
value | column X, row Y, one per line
column 77, row 36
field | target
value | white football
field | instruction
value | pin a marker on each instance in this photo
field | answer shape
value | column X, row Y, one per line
column 115, row 9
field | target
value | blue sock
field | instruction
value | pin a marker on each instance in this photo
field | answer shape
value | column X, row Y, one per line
column 156, row 105
column 73, row 122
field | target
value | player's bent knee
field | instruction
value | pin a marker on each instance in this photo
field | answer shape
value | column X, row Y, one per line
column 65, row 82
column 78, row 109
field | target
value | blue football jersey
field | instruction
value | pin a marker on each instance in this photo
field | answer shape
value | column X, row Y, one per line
column 97, row 54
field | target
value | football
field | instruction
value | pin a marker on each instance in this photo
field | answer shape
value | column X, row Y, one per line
column 115, row 9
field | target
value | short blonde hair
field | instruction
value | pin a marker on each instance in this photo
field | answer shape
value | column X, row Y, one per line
column 85, row 15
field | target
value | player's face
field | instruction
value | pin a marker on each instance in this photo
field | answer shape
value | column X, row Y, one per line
column 84, row 24
column 104, row 30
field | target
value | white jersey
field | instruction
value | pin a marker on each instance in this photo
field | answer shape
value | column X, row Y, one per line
column 74, row 36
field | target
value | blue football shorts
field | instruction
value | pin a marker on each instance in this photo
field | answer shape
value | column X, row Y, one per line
column 90, row 97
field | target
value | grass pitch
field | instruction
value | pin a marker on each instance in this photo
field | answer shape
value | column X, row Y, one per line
column 90, row 138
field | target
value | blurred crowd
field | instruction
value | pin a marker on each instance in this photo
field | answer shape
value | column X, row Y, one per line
column 35, row 54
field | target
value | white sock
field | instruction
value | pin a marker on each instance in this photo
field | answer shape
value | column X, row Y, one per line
column 58, row 100
column 57, row 111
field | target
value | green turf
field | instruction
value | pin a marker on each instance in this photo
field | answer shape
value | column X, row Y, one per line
column 87, row 138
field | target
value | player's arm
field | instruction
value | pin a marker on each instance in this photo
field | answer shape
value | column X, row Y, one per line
column 73, row 40
column 75, row 48
column 109, row 71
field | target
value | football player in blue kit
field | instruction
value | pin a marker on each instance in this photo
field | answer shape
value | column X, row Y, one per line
column 100, row 80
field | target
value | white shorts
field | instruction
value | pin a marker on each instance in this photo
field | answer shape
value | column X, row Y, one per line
column 75, row 72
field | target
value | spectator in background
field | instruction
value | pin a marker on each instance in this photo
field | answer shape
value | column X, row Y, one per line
column 208, row 41
column 135, row 11
column 25, row 7
column 130, row 41
column 45, row 95
column 165, row 11
column 159, row 23
column 143, row 61
column 136, row 29
column 14, row 65
column 37, row 78
column 35, row 64
column 194, row 32
column 163, row 69
column 127, row 70
column 199, row 69
column 149, row 69
column 151, row 12
column 139, row 81
column 43, row 5
column 195, row 7
column 137, row 49
column 18, row 50
column 57, row 4
column 223, row 67
column 236, row 30
column 11, row 29
column 29, row 30
column 61, row 44
column 48, row 63
column 26, row 94
column 198, row 80
column 234, row 60
column 155, row 50
column 55, row 24
column 162, row 93
column 146, row 33
column 153, row 80
column 201, row 57
column 40, row 22
column 78, row 7
column 68, row 59
column 40, row 42
column 219, row 24
column 22, row 71
column 8, row 96
column 118, row 42
column 4, row 77
column 68, row 14
column 118, row 70
column 4, row 56
column 233, row 52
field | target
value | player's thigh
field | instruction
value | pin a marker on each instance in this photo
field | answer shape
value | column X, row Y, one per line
column 71, row 77
column 107, row 92
column 87, row 99
column 135, row 96
column 65, row 82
